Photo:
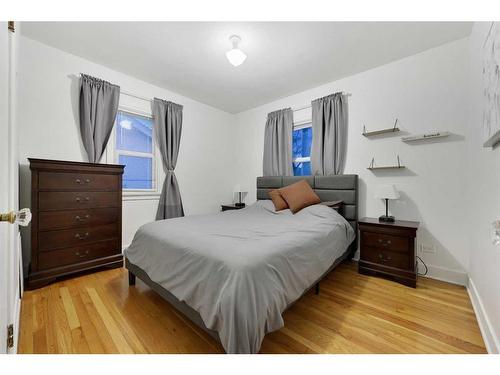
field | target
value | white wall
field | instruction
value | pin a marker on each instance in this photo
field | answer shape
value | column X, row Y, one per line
column 426, row 92
column 483, row 175
column 48, row 128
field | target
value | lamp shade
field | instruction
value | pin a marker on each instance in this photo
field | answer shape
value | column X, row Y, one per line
column 386, row 192
column 239, row 189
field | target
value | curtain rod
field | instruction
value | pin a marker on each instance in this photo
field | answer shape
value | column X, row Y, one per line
column 309, row 106
column 121, row 91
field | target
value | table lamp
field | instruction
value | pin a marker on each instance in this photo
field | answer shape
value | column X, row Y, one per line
column 238, row 190
column 386, row 192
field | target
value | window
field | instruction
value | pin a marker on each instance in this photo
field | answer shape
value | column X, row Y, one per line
column 301, row 150
column 134, row 148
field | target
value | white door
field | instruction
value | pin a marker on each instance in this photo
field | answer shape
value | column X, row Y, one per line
column 9, row 233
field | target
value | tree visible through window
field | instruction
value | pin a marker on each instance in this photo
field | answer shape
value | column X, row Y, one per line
column 134, row 149
column 301, row 150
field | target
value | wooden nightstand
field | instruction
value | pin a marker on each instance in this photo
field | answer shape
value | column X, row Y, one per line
column 227, row 207
column 388, row 249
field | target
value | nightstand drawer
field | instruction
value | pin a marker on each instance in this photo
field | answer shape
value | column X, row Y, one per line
column 385, row 241
column 386, row 258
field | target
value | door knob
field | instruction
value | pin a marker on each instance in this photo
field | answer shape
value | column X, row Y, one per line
column 22, row 217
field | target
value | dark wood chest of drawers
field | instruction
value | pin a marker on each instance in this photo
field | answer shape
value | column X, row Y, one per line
column 77, row 218
column 388, row 249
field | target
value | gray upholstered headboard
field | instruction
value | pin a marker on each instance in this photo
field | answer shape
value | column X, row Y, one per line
column 329, row 188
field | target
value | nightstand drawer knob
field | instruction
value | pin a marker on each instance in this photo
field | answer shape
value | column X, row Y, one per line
column 384, row 243
column 381, row 257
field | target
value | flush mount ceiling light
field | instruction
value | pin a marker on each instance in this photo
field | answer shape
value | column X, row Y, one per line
column 235, row 55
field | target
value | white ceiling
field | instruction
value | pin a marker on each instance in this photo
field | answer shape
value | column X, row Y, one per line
column 283, row 57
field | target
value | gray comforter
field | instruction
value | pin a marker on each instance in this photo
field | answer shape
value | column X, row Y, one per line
column 241, row 269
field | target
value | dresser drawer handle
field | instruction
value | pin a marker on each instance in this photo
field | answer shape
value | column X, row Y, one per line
column 78, row 181
column 78, row 218
column 77, row 253
column 87, row 180
column 80, row 237
column 78, row 199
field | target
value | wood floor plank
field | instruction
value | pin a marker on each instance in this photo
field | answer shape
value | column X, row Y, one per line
column 100, row 313
column 115, row 333
column 69, row 308
column 88, row 329
column 103, row 334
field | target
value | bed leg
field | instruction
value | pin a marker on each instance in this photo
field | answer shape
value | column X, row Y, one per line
column 131, row 278
column 317, row 289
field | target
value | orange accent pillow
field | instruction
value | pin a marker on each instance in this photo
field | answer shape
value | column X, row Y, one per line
column 279, row 202
column 299, row 195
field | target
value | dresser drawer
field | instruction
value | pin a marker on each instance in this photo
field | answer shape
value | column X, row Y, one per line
column 383, row 241
column 78, row 254
column 73, row 199
column 77, row 181
column 52, row 240
column 51, row 220
column 386, row 258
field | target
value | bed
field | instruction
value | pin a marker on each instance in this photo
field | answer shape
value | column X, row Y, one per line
column 235, row 273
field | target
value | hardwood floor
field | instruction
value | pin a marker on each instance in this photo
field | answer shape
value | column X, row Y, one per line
column 99, row 313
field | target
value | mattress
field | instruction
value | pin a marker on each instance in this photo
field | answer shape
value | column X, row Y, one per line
column 241, row 269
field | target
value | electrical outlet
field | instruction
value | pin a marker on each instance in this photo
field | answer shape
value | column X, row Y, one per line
column 427, row 249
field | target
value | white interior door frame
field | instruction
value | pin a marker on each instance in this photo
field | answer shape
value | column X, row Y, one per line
column 10, row 258
column 14, row 292
column 4, row 197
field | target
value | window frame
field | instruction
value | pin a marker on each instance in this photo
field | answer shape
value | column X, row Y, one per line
column 299, row 126
column 113, row 155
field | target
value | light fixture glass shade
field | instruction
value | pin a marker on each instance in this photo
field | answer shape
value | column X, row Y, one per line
column 236, row 56
column 387, row 192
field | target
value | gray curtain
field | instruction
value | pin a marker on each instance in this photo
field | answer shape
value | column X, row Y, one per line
column 329, row 131
column 168, row 127
column 98, row 106
column 278, row 143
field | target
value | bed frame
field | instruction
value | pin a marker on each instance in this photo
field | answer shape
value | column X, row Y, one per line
column 328, row 188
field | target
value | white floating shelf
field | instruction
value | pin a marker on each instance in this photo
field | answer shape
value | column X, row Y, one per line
column 394, row 129
column 421, row 137
column 386, row 167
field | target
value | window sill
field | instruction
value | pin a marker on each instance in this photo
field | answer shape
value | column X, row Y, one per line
column 140, row 196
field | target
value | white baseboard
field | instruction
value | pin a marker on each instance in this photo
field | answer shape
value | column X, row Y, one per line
column 490, row 340
column 447, row 274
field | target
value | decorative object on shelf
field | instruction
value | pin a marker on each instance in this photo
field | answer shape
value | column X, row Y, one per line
column 387, row 192
column 241, row 193
column 421, row 137
column 491, row 86
column 372, row 166
column 394, row 129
